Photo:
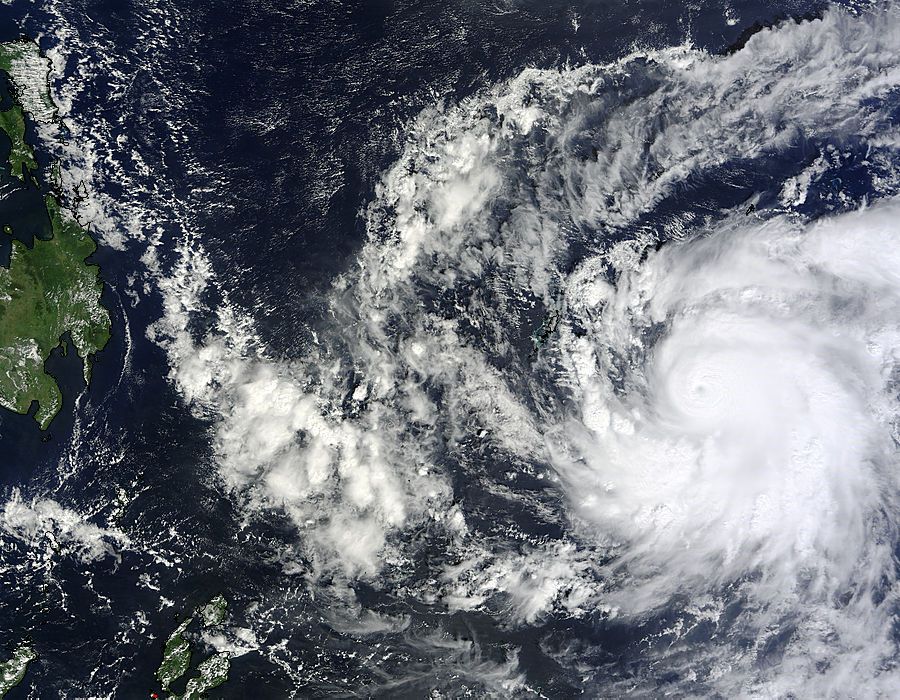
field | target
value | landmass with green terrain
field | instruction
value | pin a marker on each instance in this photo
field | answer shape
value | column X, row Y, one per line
column 211, row 672
column 13, row 671
column 48, row 289
column 12, row 122
column 30, row 74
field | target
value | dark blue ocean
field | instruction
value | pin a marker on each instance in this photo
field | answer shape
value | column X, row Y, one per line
column 265, row 127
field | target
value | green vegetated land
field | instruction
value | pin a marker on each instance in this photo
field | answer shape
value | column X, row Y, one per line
column 211, row 672
column 13, row 670
column 12, row 122
column 48, row 289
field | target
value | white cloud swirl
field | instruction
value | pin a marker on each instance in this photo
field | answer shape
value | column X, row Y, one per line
column 754, row 445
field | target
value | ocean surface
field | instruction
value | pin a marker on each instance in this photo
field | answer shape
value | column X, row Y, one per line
column 471, row 349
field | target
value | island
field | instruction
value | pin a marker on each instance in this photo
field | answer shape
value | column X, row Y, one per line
column 13, row 670
column 210, row 673
column 48, row 289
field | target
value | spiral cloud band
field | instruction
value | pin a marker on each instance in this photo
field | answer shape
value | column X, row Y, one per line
column 754, row 443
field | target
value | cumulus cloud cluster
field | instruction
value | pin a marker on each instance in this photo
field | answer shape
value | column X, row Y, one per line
column 46, row 526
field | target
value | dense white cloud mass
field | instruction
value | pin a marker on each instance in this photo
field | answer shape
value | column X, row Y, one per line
column 50, row 529
column 753, row 445
column 719, row 415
